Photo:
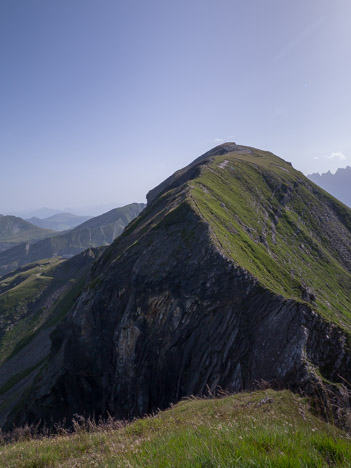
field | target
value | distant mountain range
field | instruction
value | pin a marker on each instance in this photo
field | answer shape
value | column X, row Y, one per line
column 338, row 184
column 96, row 232
column 40, row 213
column 60, row 221
column 44, row 212
column 14, row 230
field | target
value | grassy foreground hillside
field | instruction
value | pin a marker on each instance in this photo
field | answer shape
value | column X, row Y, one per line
column 261, row 429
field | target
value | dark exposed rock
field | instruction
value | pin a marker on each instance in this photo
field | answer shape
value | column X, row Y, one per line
column 308, row 294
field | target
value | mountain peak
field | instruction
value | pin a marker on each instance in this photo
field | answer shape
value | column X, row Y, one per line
column 237, row 271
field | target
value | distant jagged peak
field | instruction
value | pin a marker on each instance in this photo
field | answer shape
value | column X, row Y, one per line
column 341, row 171
column 344, row 169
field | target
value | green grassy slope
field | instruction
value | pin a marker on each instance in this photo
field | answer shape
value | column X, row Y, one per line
column 271, row 220
column 261, row 429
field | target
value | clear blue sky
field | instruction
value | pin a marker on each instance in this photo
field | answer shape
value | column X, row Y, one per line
column 103, row 99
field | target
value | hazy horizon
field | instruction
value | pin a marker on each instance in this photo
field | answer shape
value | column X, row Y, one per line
column 101, row 101
column 42, row 212
column 94, row 210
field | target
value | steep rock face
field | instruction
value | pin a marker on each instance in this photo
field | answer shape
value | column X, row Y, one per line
column 170, row 310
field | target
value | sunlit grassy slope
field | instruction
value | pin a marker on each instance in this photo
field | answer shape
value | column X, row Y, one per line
column 261, row 429
column 272, row 221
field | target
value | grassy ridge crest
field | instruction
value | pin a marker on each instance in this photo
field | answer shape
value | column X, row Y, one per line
column 271, row 220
